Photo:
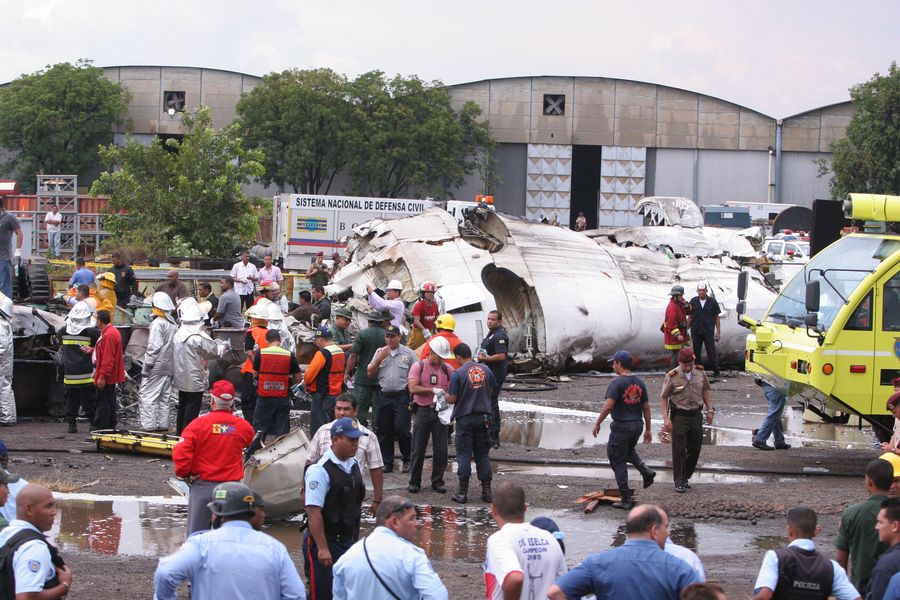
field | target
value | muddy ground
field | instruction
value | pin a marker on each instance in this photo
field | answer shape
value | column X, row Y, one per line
column 733, row 514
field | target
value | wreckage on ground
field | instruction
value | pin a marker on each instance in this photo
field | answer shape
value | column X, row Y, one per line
column 567, row 298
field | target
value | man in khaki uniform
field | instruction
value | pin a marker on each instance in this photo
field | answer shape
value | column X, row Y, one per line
column 687, row 389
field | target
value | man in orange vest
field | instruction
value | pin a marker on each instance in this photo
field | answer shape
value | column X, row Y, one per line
column 324, row 379
column 276, row 369
column 254, row 339
column 445, row 325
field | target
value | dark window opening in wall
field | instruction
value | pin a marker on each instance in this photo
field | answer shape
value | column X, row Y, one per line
column 554, row 105
column 162, row 137
column 173, row 102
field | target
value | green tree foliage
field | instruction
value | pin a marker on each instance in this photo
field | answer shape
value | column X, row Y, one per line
column 408, row 138
column 868, row 159
column 301, row 120
column 173, row 195
column 53, row 120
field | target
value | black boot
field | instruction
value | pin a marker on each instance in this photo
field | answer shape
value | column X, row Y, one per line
column 72, row 427
column 647, row 474
column 626, row 502
column 462, row 495
column 486, row 495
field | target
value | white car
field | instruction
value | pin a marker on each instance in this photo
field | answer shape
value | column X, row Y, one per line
column 786, row 250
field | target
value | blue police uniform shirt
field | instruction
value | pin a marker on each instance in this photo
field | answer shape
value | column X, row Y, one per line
column 841, row 588
column 638, row 570
column 31, row 562
column 235, row 562
column 497, row 342
column 8, row 510
column 402, row 565
column 317, row 479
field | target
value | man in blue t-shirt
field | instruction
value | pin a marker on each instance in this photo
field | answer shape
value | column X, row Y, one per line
column 470, row 393
column 626, row 400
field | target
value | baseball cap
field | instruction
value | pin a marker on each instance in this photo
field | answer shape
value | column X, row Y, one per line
column 894, row 460
column 7, row 477
column 623, row 357
column 391, row 330
column 548, row 524
column 349, row 427
column 701, row 286
column 222, row 389
column 685, row 355
column 323, row 333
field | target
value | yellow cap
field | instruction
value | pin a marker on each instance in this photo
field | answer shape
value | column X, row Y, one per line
column 894, row 460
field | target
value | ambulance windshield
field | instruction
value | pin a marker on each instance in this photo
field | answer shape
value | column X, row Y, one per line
column 840, row 267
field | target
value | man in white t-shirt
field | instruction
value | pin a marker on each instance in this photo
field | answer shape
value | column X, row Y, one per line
column 522, row 561
column 245, row 276
column 53, row 221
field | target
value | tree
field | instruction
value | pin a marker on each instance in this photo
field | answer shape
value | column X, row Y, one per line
column 54, row 120
column 301, row 120
column 868, row 159
column 408, row 138
column 173, row 194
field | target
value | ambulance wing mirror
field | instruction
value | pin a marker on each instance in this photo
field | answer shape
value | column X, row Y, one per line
column 743, row 281
column 812, row 296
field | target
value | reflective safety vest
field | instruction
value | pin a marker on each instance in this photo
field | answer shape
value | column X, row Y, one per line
column 259, row 336
column 330, row 379
column 78, row 368
column 274, row 372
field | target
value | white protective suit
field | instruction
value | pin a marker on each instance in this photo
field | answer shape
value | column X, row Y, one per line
column 193, row 347
column 276, row 322
column 7, row 397
column 157, row 394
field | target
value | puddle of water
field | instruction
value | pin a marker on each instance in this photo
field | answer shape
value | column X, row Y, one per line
column 132, row 526
column 539, row 426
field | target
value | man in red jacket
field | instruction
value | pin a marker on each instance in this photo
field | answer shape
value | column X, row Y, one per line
column 110, row 370
column 211, row 452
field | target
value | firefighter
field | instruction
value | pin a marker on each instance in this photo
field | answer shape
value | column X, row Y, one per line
column 79, row 337
column 445, row 325
column 276, row 368
column 324, row 379
column 106, row 292
column 193, row 347
column 156, row 393
column 7, row 397
column 675, row 326
column 276, row 322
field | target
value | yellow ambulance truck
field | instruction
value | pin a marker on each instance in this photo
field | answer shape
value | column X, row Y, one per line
column 831, row 339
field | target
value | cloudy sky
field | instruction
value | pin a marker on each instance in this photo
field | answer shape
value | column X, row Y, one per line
column 780, row 58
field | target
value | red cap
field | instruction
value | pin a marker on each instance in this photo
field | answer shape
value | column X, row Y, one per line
column 893, row 401
column 685, row 355
column 223, row 390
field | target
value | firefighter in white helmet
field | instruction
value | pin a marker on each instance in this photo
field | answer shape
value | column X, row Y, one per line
column 157, row 391
column 79, row 338
column 391, row 301
column 276, row 321
column 192, row 348
column 7, row 398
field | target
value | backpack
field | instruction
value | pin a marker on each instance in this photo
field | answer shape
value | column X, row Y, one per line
column 8, row 551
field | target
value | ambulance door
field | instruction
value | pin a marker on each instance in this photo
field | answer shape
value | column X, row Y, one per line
column 887, row 339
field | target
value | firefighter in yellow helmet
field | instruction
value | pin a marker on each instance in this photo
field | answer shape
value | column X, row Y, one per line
column 106, row 292
column 445, row 324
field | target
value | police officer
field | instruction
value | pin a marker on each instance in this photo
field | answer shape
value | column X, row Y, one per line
column 39, row 569
column 79, row 337
column 275, row 368
column 340, row 329
column 687, row 389
column 470, row 393
column 334, row 495
column 493, row 352
column 391, row 364
column 235, row 559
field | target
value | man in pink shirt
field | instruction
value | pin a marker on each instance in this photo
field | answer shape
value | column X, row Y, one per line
column 429, row 379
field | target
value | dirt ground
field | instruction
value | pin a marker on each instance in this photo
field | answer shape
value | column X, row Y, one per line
column 749, row 505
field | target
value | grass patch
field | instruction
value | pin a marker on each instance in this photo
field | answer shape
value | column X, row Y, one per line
column 57, row 483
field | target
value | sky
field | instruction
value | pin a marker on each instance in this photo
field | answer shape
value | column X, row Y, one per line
column 779, row 58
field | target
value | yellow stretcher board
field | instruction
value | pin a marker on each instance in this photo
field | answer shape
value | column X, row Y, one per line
column 138, row 442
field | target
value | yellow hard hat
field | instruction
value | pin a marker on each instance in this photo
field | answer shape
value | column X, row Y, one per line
column 107, row 278
column 894, row 460
column 445, row 321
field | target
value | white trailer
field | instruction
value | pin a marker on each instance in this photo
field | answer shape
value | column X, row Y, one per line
column 304, row 224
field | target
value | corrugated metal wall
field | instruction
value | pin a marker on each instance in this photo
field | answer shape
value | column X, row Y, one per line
column 799, row 181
